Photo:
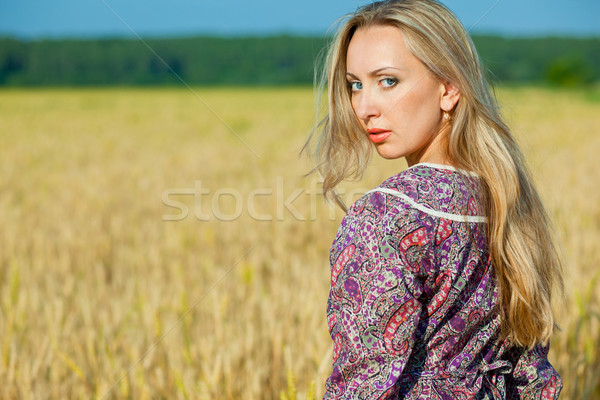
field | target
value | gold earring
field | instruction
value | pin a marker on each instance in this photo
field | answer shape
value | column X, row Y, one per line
column 447, row 116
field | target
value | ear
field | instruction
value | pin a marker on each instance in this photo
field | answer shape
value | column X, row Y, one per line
column 450, row 96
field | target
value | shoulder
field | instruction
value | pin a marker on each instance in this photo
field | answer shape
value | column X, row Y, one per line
column 436, row 190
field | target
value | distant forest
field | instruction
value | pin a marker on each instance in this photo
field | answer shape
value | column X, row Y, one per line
column 275, row 60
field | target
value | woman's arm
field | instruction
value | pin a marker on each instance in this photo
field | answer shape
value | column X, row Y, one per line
column 533, row 377
column 374, row 308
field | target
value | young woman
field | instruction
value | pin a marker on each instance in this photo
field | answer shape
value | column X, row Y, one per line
column 442, row 278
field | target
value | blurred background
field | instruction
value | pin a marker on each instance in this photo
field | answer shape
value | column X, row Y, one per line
column 160, row 235
column 70, row 42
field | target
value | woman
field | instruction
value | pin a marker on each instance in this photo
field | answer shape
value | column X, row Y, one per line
column 443, row 277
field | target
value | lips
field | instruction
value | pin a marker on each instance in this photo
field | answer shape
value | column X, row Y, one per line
column 378, row 135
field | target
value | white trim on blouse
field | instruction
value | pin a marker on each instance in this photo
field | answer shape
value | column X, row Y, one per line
column 430, row 211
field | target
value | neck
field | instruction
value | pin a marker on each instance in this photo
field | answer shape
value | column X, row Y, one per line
column 435, row 152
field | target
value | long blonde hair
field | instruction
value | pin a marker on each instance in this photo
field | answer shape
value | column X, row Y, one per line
column 519, row 235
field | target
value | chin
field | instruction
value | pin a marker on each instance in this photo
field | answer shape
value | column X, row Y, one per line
column 388, row 155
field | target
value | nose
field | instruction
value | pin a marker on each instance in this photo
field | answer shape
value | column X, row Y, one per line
column 365, row 106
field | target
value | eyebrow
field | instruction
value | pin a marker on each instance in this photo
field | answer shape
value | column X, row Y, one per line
column 375, row 72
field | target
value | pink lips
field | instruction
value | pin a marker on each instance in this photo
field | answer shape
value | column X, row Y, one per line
column 378, row 135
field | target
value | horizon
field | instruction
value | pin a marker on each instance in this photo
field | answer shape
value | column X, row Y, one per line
column 265, row 35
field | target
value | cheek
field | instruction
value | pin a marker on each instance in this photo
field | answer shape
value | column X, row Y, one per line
column 354, row 104
column 425, row 111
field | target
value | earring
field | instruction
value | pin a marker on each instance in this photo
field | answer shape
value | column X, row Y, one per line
column 447, row 116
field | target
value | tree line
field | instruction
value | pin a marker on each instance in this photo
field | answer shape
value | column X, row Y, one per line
column 273, row 60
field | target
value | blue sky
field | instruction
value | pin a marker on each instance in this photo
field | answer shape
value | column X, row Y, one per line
column 96, row 18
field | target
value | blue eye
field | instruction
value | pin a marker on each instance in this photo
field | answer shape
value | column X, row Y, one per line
column 355, row 86
column 388, row 82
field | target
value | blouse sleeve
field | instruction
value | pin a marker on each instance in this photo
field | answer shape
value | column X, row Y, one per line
column 533, row 377
column 379, row 263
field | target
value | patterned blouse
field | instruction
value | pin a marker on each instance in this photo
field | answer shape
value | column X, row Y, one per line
column 412, row 308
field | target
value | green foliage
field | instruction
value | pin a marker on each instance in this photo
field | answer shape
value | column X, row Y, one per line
column 569, row 72
column 275, row 60
column 197, row 61
column 555, row 60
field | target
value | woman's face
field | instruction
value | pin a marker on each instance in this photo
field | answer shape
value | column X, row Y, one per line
column 396, row 98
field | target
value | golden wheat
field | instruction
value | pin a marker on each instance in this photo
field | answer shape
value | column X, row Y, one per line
column 159, row 243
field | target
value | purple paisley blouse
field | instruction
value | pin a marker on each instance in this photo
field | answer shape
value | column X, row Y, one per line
column 413, row 304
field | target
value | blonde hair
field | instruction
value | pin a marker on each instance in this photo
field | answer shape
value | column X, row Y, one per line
column 518, row 231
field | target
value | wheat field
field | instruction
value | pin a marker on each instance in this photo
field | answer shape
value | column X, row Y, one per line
column 165, row 243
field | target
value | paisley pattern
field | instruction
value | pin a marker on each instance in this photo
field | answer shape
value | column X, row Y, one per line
column 412, row 308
